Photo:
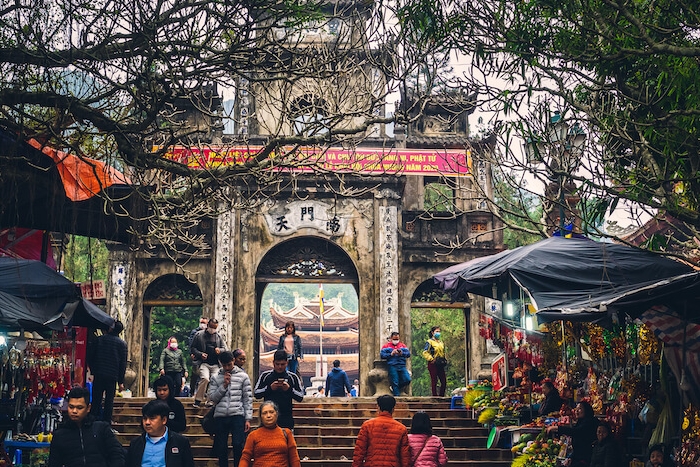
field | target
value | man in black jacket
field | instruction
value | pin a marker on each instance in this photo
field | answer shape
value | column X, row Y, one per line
column 159, row 446
column 82, row 441
column 280, row 386
column 107, row 365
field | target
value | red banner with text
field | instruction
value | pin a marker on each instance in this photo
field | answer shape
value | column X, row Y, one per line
column 383, row 161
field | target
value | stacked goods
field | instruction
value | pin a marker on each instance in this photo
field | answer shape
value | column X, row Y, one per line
column 537, row 451
column 487, row 399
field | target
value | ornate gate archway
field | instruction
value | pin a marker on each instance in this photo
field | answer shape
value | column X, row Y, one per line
column 168, row 291
column 308, row 260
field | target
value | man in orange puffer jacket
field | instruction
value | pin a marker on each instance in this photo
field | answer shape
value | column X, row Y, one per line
column 382, row 441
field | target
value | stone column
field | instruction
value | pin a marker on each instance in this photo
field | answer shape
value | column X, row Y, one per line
column 388, row 272
column 117, row 305
column 223, row 276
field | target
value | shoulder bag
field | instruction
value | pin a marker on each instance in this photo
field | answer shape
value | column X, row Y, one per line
column 208, row 422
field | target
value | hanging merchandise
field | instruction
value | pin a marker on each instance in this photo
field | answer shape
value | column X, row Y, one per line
column 688, row 454
column 47, row 370
column 648, row 349
column 486, row 327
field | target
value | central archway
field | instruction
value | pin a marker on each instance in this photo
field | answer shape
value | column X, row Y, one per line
column 288, row 278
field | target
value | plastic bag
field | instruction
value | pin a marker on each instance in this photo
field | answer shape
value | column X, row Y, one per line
column 649, row 413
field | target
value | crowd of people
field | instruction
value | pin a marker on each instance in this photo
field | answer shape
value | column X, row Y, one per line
column 220, row 382
column 86, row 437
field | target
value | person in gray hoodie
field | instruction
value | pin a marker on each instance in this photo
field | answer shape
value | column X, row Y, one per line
column 230, row 392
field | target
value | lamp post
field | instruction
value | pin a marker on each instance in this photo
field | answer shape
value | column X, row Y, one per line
column 558, row 148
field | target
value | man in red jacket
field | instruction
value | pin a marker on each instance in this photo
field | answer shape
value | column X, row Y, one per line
column 382, row 441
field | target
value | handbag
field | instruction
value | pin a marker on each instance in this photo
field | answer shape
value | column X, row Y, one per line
column 286, row 440
column 208, row 422
column 440, row 362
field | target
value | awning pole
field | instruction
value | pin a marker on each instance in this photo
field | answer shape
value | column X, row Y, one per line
column 563, row 347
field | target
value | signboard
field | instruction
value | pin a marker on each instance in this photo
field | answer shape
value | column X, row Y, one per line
column 382, row 161
column 94, row 290
column 499, row 372
column 493, row 307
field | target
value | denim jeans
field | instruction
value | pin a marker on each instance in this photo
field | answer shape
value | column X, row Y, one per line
column 399, row 377
column 292, row 365
column 225, row 425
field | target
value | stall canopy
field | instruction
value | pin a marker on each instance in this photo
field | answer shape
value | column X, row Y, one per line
column 46, row 189
column 681, row 340
column 577, row 279
column 34, row 296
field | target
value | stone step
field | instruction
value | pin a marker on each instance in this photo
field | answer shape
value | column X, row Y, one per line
column 125, row 419
column 326, row 430
column 415, row 403
column 322, row 431
column 204, row 440
column 348, row 463
column 336, row 452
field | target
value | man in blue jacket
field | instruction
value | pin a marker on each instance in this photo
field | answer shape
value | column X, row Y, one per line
column 395, row 353
column 158, row 446
column 337, row 382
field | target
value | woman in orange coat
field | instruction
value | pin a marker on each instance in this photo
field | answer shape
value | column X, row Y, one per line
column 270, row 445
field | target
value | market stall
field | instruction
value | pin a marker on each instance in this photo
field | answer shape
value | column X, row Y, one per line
column 44, row 327
column 617, row 367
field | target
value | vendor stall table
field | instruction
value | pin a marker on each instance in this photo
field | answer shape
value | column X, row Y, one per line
column 26, row 448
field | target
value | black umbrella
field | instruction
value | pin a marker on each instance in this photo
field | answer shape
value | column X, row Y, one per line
column 34, row 293
column 20, row 314
column 576, row 279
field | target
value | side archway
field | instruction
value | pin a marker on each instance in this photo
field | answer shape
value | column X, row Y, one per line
column 298, row 278
column 431, row 306
column 172, row 306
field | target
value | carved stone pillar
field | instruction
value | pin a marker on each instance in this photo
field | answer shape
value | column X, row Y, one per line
column 388, row 271
column 118, row 305
column 223, row 290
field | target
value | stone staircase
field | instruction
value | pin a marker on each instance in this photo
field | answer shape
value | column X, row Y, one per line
column 326, row 430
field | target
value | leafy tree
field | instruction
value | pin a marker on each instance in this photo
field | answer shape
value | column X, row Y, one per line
column 521, row 210
column 451, row 324
column 126, row 83
column 625, row 70
column 85, row 259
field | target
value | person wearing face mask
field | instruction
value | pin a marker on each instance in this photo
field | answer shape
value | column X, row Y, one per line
column 172, row 364
column 395, row 353
column 434, row 354
column 206, row 347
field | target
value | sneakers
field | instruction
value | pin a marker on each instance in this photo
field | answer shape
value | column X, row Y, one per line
column 209, row 404
column 196, row 404
column 114, row 431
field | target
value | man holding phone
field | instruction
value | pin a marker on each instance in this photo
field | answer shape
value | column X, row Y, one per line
column 280, row 386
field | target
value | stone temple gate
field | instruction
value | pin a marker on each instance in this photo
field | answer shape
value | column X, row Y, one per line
column 384, row 231
column 382, row 242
